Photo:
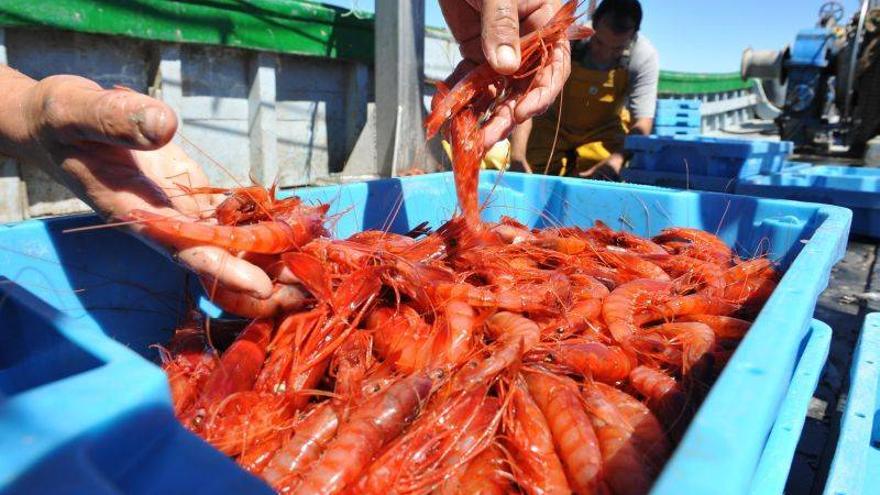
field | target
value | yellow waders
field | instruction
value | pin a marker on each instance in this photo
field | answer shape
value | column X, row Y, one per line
column 593, row 125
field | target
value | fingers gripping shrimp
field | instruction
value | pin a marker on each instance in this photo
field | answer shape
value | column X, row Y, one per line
column 572, row 431
column 372, row 426
column 284, row 298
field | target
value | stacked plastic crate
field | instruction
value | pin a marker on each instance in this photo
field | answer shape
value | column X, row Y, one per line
column 701, row 162
column 678, row 118
column 856, row 188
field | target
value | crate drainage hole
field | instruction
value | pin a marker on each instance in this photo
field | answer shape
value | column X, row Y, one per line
column 861, row 415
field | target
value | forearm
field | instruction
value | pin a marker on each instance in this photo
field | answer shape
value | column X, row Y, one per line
column 642, row 127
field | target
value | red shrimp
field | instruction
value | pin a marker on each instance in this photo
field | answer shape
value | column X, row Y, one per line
column 515, row 335
column 467, row 151
column 313, row 433
column 247, row 420
column 350, row 366
column 609, row 364
column 699, row 244
column 265, row 237
column 524, row 299
column 635, row 265
column 372, row 426
column 623, row 468
column 663, row 394
column 581, row 317
column 750, row 283
column 696, row 341
column 240, row 364
column 688, row 270
column 647, row 431
column 536, row 467
column 725, row 327
column 188, row 362
column 631, row 242
column 450, row 432
column 620, row 307
column 273, row 377
column 484, row 475
column 700, row 303
column 573, row 433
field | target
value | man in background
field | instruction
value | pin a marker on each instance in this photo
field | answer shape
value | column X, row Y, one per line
column 612, row 92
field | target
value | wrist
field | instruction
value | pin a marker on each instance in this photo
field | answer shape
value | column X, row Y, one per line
column 15, row 90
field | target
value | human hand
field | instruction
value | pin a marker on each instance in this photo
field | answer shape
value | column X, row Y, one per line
column 490, row 30
column 608, row 169
column 111, row 148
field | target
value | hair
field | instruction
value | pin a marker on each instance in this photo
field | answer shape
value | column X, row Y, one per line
column 622, row 15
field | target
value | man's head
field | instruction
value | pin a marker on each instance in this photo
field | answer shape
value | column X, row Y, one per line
column 616, row 23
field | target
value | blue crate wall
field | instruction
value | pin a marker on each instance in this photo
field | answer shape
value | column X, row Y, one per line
column 855, row 468
column 103, row 290
column 855, row 188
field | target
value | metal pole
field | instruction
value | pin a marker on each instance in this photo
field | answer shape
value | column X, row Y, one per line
column 853, row 60
column 400, row 54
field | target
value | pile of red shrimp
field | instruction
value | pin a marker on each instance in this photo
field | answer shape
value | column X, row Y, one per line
column 477, row 358
column 546, row 361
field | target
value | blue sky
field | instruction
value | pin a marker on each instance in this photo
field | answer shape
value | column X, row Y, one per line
column 701, row 35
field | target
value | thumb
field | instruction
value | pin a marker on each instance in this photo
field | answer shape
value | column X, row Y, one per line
column 500, row 20
column 78, row 110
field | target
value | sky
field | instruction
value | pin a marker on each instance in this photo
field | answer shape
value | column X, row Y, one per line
column 701, row 35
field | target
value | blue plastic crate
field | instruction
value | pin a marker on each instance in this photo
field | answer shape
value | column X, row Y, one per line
column 851, row 187
column 678, row 118
column 779, row 451
column 674, row 180
column 691, row 181
column 676, row 131
column 99, row 289
column 855, row 469
column 667, row 104
column 707, row 156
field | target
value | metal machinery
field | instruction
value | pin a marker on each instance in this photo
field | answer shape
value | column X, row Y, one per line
column 827, row 83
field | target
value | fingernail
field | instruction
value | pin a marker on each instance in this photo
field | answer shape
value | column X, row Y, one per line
column 153, row 124
column 505, row 58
